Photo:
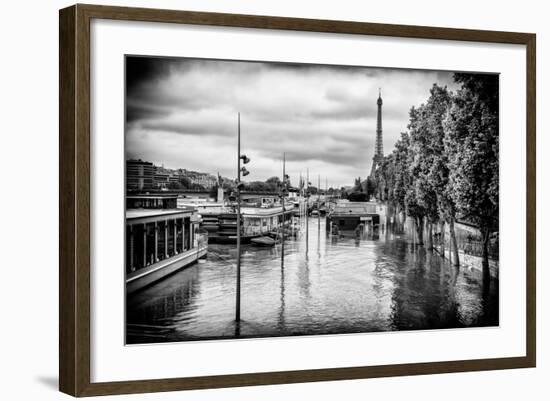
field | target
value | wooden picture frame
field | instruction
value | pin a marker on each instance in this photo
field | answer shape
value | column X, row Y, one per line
column 74, row 202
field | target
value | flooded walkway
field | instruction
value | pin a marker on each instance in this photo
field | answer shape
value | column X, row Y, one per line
column 344, row 285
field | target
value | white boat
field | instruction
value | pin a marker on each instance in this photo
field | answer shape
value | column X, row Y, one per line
column 263, row 241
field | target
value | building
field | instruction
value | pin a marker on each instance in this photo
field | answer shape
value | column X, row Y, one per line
column 160, row 180
column 159, row 201
column 139, row 175
column 207, row 181
column 160, row 242
column 349, row 216
column 379, row 146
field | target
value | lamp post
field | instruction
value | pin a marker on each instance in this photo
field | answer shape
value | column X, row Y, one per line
column 319, row 205
column 302, row 195
column 307, row 212
column 240, row 185
column 326, row 200
column 283, row 189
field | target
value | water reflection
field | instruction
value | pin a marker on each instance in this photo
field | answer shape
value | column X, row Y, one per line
column 345, row 285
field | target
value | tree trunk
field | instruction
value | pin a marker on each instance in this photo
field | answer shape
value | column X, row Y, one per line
column 430, row 236
column 442, row 237
column 398, row 229
column 454, row 244
column 420, row 229
column 394, row 220
column 485, row 253
column 388, row 218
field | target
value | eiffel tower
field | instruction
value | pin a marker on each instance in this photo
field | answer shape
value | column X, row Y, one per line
column 379, row 148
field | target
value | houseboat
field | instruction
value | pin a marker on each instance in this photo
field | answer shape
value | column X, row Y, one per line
column 209, row 210
column 354, row 217
column 256, row 222
column 160, row 242
column 260, row 214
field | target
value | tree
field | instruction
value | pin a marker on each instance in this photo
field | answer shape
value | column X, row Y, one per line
column 358, row 185
column 274, row 183
column 430, row 164
column 446, row 166
column 402, row 179
column 391, row 179
column 370, row 187
column 184, row 182
column 358, row 197
column 257, row 186
column 174, row 185
column 471, row 140
column 419, row 196
column 343, row 193
column 438, row 175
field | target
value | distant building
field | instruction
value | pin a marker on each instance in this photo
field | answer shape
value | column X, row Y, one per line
column 139, row 175
column 205, row 180
column 160, row 180
column 142, row 175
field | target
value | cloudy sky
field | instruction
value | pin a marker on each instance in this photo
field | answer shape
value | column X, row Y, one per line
column 182, row 113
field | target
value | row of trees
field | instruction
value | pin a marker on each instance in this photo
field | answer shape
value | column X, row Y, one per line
column 446, row 167
column 272, row 184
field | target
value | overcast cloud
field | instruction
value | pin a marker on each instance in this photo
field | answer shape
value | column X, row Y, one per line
column 182, row 113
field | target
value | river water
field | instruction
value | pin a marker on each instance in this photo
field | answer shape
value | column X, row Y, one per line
column 343, row 285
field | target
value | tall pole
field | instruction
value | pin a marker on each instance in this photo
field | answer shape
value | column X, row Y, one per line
column 326, row 202
column 238, row 303
column 283, row 227
column 319, row 205
column 301, row 210
column 307, row 211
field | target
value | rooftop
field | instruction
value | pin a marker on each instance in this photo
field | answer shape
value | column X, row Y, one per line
column 153, row 196
column 140, row 213
column 355, row 208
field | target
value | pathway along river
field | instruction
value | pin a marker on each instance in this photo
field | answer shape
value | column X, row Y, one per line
column 344, row 286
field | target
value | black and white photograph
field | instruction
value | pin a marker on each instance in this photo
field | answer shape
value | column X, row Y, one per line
column 270, row 199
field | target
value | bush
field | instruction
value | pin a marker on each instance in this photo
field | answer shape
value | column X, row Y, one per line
column 358, row 197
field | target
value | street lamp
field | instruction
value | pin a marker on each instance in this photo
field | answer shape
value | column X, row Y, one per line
column 240, row 185
column 284, row 185
column 307, row 211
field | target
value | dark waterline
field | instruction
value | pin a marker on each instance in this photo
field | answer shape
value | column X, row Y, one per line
column 344, row 286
